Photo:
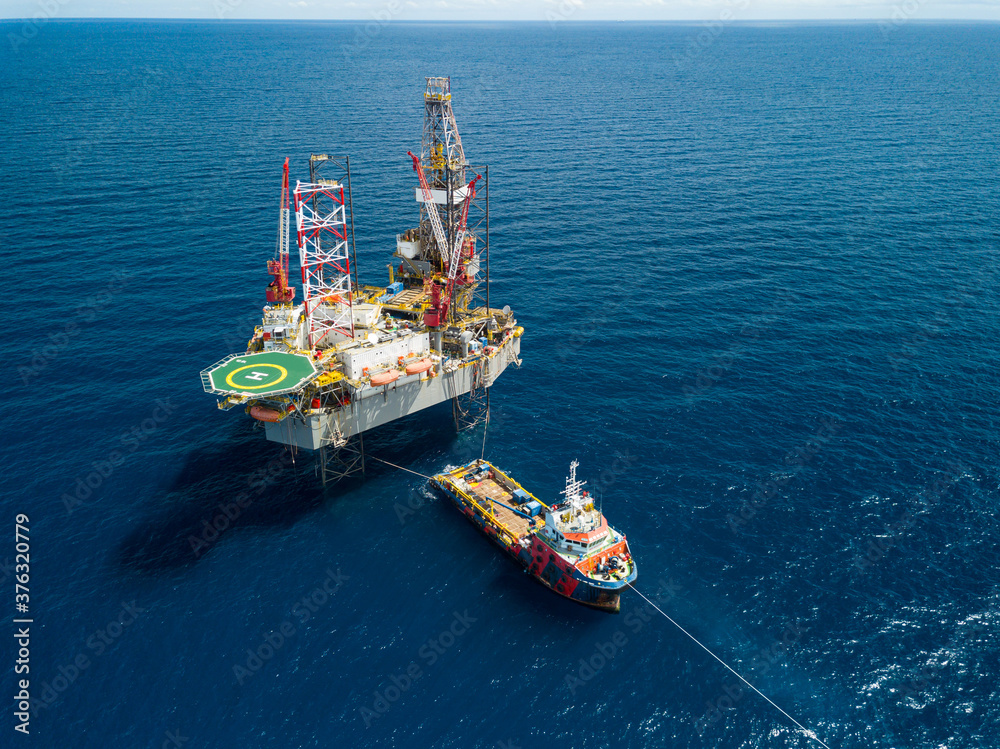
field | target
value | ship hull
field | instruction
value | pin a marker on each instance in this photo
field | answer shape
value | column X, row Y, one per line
column 542, row 562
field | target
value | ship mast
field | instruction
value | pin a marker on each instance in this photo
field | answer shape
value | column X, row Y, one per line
column 573, row 487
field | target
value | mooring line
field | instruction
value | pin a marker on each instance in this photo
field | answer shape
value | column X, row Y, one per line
column 372, row 457
column 486, row 427
column 811, row 734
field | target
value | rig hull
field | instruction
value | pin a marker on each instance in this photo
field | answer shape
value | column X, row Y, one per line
column 372, row 406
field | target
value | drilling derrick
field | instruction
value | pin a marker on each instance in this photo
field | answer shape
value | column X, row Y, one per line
column 442, row 252
column 443, row 158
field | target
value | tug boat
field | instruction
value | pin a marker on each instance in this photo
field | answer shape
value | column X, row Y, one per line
column 567, row 546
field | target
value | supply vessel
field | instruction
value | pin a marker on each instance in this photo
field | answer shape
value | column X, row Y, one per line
column 567, row 546
column 319, row 373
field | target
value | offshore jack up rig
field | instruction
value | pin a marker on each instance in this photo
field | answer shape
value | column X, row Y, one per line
column 348, row 358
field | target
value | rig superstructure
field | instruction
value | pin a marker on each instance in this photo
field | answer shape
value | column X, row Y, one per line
column 351, row 357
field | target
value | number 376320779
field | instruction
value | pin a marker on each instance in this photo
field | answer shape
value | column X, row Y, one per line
column 22, row 562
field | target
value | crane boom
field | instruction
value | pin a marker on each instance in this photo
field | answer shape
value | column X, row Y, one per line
column 456, row 252
column 279, row 290
column 283, row 226
column 429, row 200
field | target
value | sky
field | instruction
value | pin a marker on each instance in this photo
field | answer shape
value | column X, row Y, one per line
column 550, row 11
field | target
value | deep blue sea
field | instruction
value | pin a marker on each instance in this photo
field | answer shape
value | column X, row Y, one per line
column 758, row 272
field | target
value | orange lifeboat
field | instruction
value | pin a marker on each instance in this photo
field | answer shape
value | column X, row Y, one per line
column 384, row 378
column 265, row 414
column 421, row 365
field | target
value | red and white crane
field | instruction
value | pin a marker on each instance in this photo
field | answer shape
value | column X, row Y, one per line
column 278, row 291
column 452, row 255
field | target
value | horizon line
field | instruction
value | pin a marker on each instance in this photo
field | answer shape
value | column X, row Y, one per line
column 526, row 21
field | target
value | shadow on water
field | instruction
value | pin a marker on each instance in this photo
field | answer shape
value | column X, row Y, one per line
column 248, row 482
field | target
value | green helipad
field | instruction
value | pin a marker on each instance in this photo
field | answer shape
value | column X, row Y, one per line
column 265, row 373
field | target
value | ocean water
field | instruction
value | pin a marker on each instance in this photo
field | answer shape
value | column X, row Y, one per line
column 757, row 272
